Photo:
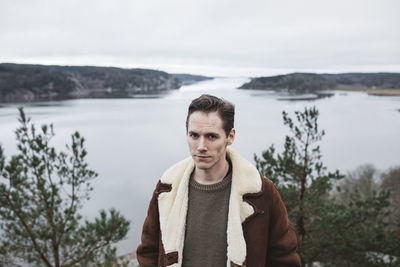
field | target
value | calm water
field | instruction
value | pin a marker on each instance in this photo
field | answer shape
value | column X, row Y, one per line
column 132, row 141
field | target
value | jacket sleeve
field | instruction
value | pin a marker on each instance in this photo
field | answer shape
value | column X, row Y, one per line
column 148, row 251
column 282, row 249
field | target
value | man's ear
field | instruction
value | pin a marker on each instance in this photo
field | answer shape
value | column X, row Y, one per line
column 231, row 136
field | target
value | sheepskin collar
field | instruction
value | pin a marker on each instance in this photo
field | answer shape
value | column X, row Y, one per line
column 173, row 206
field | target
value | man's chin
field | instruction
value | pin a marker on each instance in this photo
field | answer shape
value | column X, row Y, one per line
column 202, row 165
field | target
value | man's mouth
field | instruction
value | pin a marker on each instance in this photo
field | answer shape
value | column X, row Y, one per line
column 202, row 157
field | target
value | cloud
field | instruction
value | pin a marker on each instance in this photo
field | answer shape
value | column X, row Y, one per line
column 250, row 36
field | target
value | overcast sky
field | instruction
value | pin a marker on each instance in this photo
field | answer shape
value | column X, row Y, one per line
column 212, row 37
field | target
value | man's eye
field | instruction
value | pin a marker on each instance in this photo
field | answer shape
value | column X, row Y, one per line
column 193, row 135
column 212, row 137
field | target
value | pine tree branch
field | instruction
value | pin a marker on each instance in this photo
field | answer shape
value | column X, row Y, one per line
column 85, row 255
column 30, row 231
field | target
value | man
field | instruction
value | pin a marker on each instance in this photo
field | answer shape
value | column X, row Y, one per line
column 214, row 208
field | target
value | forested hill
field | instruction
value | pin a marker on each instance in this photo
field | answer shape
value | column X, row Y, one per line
column 309, row 82
column 22, row 82
column 190, row 78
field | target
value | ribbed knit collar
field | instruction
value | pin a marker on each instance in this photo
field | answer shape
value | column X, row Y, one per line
column 214, row 187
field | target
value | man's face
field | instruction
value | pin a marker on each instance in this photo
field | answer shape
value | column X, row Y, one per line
column 207, row 139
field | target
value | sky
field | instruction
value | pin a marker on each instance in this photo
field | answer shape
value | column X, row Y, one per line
column 208, row 37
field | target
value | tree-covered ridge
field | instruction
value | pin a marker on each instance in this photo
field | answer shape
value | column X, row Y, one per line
column 190, row 78
column 22, row 82
column 309, row 82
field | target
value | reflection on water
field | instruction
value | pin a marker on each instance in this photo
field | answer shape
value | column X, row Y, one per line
column 131, row 141
column 14, row 112
column 305, row 97
column 289, row 96
column 153, row 95
column 59, row 103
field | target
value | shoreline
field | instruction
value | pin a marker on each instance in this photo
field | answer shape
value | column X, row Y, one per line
column 375, row 92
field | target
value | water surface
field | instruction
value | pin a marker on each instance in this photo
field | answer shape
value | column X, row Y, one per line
column 132, row 141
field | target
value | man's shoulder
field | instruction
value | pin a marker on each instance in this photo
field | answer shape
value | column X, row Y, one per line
column 267, row 182
column 268, row 187
column 177, row 170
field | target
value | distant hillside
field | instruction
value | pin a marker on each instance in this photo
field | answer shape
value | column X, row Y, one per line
column 310, row 82
column 190, row 78
column 21, row 82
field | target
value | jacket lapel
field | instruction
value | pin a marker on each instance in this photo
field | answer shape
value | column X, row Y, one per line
column 245, row 180
column 173, row 206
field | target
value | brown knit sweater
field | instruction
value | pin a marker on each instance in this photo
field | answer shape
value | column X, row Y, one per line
column 206, row 223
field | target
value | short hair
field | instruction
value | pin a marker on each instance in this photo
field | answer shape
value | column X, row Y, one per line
column 209, row 103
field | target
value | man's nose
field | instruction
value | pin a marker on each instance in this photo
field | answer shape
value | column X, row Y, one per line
column 202, row 144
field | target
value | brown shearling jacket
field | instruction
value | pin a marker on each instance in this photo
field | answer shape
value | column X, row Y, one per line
column 259, row 233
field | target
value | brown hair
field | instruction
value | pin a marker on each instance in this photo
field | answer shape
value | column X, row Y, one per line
column 210, row 103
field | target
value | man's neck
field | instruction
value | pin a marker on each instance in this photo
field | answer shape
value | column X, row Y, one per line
column 213, row 175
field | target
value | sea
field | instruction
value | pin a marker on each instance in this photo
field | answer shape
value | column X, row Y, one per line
column 132, row 141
